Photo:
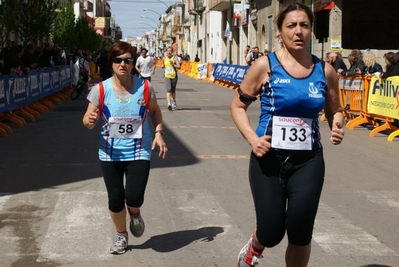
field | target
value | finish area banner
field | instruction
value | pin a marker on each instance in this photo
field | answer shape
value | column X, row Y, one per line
column 17, row 91
column 231, row 73
column 384, row 97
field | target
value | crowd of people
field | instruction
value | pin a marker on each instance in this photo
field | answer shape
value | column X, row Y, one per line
column 364, row 63
column 15, row 58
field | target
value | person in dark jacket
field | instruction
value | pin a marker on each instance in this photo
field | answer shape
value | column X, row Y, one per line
column 372, row 66
column 356, row 63
column 392, row 67
column 336, row 62
column 102, row 63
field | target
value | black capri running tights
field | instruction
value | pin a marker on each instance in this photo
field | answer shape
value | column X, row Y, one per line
column 132, row 193
column 286, row 188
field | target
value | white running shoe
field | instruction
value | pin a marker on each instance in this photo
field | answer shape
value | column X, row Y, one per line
column 120, row 245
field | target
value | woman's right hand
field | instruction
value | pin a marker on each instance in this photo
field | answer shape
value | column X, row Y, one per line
column 93, row 117
column 261, row 145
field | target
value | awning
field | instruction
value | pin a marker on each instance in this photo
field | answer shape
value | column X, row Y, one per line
column 323, row 5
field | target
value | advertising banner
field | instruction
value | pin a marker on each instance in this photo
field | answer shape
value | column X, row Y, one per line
column 231, row 73
column 17, row 91
column 384, row 97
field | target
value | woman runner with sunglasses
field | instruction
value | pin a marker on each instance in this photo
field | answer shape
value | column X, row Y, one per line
column 124, row 103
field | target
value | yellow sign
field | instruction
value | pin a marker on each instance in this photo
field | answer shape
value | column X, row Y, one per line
column 384, row 97
column 99, row 22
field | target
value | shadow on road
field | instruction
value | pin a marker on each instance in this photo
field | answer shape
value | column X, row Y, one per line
column 57, row 149
column 176, row 240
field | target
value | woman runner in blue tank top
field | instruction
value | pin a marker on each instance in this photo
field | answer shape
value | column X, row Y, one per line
column 286, row 170
column 125, row 103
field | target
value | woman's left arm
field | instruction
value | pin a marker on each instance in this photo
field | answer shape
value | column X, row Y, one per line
column 156, row 117
column 332, row 107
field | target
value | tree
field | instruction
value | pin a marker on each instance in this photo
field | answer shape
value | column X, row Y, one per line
column 65, row 27
column 88, row 38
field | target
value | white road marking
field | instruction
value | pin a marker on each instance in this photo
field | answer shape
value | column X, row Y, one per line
column 383, row 198
column 199, row 212
column 79, row 228
column 4, row 197
column 339, row 236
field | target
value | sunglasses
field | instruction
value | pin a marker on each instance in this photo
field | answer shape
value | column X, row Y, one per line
column 118, row 60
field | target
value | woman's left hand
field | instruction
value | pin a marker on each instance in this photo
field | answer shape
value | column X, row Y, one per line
column 158, row 141
column 337, row 133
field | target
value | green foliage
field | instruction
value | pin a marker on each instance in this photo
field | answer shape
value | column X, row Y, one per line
column 64, row 33
column 44, row 20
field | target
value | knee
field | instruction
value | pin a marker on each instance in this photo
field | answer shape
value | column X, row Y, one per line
column 300, row 234
column 270, row 239
column 116, row 203
column 135, row 200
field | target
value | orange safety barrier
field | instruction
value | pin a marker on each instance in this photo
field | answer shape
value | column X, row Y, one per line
column 185, row 67
column 94, row 70
column 31, row 111
column 194, row 70
column 355, row 97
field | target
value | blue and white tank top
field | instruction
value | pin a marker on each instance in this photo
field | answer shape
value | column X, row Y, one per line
column 126, row 134
column 286, row 96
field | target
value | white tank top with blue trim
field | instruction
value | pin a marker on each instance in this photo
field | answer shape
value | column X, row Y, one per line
column 126, row 134
column 287, row 97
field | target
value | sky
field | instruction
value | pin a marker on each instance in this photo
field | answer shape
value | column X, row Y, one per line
column 128, row 15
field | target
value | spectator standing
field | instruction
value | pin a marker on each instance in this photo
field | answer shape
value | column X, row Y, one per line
column 356, row 62
column 6, row 52
column 171, row 65
column 103, row 64
column 286, row 168
column 29, row 58
column 145, row 65
column 45, row 59
column 336, row 62
column 371, row 64
column 126, row 140
column 251, row 57
column 392, row 65
column 246, row 51
column 196, row 59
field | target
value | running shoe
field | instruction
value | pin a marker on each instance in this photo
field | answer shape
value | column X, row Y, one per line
column 169, row 107
column 137, row 225
column 120, row 245
column 248, row 257
column 174, row 106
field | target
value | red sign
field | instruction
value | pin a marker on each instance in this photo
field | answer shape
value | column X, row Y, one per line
column 99, row 31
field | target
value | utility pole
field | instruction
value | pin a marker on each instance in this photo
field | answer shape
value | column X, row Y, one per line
column 231, row 30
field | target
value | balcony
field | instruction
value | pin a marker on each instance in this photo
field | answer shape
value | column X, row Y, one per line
column 221, row 5
column 176, row 28
column 86, row 6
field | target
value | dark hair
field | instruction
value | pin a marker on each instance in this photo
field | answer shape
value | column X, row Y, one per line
column 391, row 57
column 144, row 49
column 356, row 53
column 18, row 49
column 292, row 7
column 119, row 48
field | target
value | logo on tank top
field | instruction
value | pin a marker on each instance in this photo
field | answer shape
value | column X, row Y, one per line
column 278, row 80
column 314, row 92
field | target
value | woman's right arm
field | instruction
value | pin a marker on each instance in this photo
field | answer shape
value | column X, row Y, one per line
column 91, row 116
column 256, row 77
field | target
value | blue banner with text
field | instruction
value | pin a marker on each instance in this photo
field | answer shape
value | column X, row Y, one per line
column 17, row 91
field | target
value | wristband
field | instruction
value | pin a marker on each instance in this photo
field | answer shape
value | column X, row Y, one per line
column 158, row 131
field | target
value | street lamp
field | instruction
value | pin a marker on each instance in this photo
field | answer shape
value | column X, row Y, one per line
column 163, row 3
column 147, row 9
column 149, row 19
column 146, row 24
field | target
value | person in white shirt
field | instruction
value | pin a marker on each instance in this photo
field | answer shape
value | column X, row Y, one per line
column 145, row 65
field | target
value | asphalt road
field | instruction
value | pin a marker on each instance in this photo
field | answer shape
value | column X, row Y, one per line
column 198, row 207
